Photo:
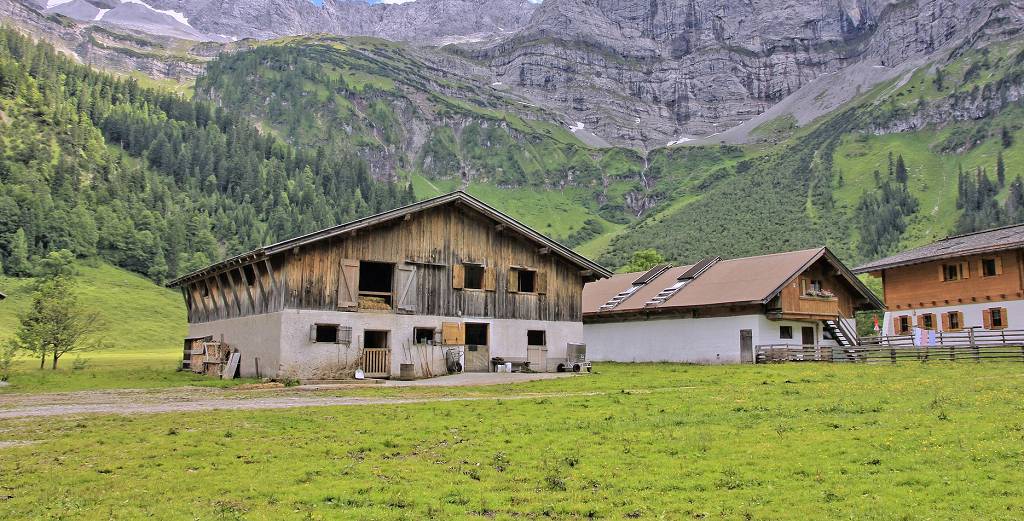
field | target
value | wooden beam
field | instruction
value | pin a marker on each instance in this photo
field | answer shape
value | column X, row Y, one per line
column 213, row 299
column 273, row 282
column 248, row 290
column 263, row 291
column 544, row 251
column 234, row 292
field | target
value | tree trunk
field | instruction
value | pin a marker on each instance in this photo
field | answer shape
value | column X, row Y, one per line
column 55, row 357
column 42, row 361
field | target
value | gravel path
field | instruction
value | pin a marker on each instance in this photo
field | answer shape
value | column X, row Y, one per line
column 189, row 399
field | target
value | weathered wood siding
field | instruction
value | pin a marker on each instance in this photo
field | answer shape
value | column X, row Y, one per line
column 425, row 246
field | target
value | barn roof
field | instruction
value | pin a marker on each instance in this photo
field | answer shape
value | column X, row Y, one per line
column 458, row 197
column 748, row 280
column 985, row 241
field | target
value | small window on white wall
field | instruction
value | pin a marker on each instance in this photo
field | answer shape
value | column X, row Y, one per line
column 330, row 334
column 786, row 332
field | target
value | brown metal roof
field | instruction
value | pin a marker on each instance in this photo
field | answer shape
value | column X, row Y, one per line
column 996, row 239
column 735, row 281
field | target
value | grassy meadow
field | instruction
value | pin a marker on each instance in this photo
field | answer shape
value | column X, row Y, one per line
column 145, row 322
column 913, row 441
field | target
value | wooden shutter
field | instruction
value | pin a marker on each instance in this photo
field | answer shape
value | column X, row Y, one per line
column 312, row 333
column 541, row 282
column 1005, row 317
column 920, row 321
column 965, row 270
column 942, row 272
column 945, row 321
column 960, row 319
column 405, row 295
column 344, row 335
column 348, row 284
column 490, row 278
column 896, row 325
column 986, row 318
column 999, row 264
column 458, row 276
column 513, row 280
column 450, row 333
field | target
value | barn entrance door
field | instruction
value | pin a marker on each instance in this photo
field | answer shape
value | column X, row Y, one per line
column 478, row 352
column 376, row 354
column 807, row 335
column 746, row 346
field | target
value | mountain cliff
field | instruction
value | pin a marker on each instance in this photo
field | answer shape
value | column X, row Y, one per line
column 644, row 73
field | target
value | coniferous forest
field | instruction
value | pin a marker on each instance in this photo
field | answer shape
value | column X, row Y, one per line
column 148, row 180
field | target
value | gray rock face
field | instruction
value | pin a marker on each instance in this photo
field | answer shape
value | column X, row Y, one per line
column 647, row 72
column 421, row 21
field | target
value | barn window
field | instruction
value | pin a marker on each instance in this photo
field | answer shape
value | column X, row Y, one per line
column 536, row 337
column 988, row 268
column 375, row 339
column 995, row 318
column 375, row 285
column 423, row 335
column 926, row 321
column 526, row 280
column 786, row 332
column 473, row 276
column 325, row 333
column 476, row 334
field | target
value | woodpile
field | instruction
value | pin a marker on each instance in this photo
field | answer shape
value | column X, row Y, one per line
column 210, row 358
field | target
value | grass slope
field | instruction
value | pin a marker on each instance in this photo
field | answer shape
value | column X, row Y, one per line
column 146, row 325
column 915, row 441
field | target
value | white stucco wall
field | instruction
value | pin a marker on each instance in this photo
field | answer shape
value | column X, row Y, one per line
column 281, row 340
column 714, row 340
column 972, row 314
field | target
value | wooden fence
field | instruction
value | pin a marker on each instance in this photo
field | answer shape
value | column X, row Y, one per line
column 968, row 345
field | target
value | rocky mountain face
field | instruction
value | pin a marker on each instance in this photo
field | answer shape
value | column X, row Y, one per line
column 644, row 73
column 421, row 21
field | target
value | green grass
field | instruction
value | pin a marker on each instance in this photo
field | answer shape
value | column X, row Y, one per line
column 146, row 324
column 939, row 441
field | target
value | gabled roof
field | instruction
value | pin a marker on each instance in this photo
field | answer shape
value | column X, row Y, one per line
column 986, row 241
column 459, row 197
column 748, row 280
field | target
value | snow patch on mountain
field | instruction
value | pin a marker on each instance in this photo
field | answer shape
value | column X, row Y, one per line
column 177, row 15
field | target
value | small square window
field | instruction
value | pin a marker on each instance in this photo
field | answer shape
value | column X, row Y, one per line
column 954, row 320
column 928, row 321
column 988, row 267
column 326, row 333
column 474, row 276
column 423, row 335
column 527, row 281
column 536, row 338
column 997, row 317
column 904, row 323
column 951, row 272
column 786, row 332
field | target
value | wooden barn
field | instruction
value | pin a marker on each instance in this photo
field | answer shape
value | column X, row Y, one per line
column 718, row 311
column 445, row 276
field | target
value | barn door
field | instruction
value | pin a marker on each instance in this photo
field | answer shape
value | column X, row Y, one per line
column 746, row 346
column 405, row 288
column 348, row 284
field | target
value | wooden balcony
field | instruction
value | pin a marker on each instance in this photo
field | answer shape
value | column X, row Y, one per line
column 806, row 307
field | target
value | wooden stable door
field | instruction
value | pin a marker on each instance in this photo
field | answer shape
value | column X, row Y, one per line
column 807, row 336
column 478, row 353
column 746, row 346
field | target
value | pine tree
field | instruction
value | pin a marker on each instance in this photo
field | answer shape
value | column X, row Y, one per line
column 1000, row 169
column 18, row 263
column 901, row 170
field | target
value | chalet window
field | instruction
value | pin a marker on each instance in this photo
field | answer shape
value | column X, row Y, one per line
column 330, row 334
column 954, row 321
column 423, row 335
column 995, row 318
column 474, row 276
column 954, row 271
column 786, row 332
column 903, row 324
column 536, row 338
column 376, row 280
column 926, row 321
column 815, row 285
column 990, row 267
